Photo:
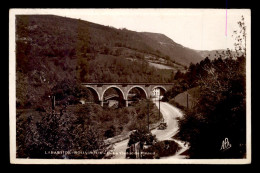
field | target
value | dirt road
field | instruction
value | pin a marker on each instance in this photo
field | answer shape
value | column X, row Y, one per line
column 170, row 113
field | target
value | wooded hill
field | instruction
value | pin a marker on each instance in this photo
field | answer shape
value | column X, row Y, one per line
column 65, row 35
column 51, row 50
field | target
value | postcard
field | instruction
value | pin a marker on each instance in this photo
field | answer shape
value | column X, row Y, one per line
column 130, row 86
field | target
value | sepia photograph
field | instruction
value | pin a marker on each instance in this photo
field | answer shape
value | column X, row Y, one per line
column 130, row 86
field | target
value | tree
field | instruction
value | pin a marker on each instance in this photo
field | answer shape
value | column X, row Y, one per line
column 240, row 37
column 178, row 75
column 61, row 132
column 110, row 132
column 220, row 112
column 142, row 136
column 89, row 140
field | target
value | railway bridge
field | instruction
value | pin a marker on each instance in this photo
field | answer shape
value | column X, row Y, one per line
column 147, row 90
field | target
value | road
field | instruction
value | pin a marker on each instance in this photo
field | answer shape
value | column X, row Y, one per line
column 170, row 113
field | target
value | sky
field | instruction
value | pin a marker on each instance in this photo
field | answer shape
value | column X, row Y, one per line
column 200, row 29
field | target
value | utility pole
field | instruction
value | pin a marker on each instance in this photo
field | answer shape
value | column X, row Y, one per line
column 187, row 100
column 52, row 103
column 159, row 107
column 148, row 115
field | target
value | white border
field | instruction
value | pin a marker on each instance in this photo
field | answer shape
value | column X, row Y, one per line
column 12, row 92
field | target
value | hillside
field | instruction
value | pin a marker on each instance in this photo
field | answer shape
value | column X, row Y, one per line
column 181, row 98
column 100, row 38
column 175, row 51
column 56, row 54
column 53, row 52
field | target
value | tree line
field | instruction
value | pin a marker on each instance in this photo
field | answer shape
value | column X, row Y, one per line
column 219, row 116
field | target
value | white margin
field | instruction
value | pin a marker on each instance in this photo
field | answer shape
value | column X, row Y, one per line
column 12, row 95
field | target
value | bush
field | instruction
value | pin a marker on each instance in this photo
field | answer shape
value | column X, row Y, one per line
column 56, row 132
column 220, row 112
column 110, row 132
column 161, row 149
column 142, row 136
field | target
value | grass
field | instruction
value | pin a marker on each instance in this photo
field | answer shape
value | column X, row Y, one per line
column 181, row 99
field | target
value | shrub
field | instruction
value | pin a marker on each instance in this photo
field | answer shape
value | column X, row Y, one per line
column 110, row 132
column 161, row 149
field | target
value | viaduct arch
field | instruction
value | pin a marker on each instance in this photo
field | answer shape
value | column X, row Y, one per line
column 140, row 89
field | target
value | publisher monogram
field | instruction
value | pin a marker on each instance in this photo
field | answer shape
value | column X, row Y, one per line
column 225, row 144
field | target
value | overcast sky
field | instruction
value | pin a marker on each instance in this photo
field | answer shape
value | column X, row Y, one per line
column 197, row 29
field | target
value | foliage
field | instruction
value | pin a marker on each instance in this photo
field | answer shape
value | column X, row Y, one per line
column 161, row 149
column 220, row 111
column 140, row 112
column 155, row 148
column 114, row 69
column 110, row 132
column 142, row 136
column 76, row 128
column 184, row 81
column 53, row 51
column 60, row 132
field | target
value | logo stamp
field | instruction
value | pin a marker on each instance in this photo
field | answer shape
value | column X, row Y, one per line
column 225, row 145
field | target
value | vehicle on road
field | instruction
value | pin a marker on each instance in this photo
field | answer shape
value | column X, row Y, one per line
column 162, row 126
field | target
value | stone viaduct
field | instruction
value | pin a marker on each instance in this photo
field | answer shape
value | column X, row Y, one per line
column 146, row 89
